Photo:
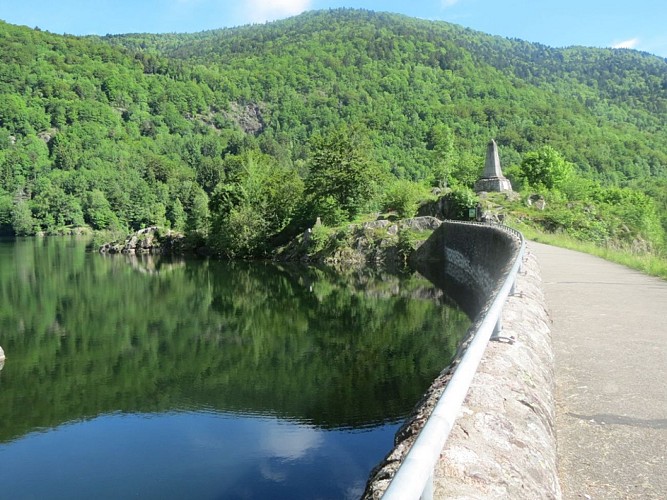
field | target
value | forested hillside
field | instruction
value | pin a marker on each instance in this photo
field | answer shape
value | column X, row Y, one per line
column 246, row 127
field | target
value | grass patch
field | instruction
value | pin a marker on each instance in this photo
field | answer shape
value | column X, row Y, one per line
column 653, row 265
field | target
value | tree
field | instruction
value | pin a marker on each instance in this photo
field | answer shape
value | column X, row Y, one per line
column 341, row 169
column 546, row 167
column 6, row 208
column 467, row 169
column 242, row 233
column 53, row 208
column 404, row 197
column 98, row 211
column 21, row 216
column 177, row 216
column 256, row 202
column 112, row 114
column 198, row 218
column 459, row 202
column 13, row 114
column 441, row 145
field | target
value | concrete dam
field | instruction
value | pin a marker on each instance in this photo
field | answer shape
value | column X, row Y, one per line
column 502, row 442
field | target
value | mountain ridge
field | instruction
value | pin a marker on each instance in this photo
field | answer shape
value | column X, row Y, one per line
column 134, row 130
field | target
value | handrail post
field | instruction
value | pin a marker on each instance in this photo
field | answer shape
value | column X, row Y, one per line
column 497, row 329
column 497, row 335
column 427, row 494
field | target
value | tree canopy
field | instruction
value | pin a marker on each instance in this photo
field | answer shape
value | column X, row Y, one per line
column 546, row 168
column 130, row 130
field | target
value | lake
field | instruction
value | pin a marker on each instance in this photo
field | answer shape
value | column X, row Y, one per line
column 140, row 377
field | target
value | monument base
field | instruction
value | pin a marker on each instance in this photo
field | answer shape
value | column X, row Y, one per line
column 493, row 184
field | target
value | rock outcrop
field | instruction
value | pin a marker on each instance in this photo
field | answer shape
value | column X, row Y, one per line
column 150, row 240
column 379, row 242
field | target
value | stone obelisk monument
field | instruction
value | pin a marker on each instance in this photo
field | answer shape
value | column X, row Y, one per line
column 492, row 179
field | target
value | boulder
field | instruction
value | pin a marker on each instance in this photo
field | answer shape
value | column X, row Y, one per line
column 421, row 223
column 537, row 201
column 150, row 240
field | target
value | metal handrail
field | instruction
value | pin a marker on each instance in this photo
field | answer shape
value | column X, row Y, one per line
column 414, row 478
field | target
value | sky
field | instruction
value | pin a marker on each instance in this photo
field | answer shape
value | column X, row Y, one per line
column 637, row 24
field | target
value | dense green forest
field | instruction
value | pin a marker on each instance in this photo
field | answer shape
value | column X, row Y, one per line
column 234, row 135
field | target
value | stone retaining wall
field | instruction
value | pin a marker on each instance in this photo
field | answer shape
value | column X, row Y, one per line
column 503, row 444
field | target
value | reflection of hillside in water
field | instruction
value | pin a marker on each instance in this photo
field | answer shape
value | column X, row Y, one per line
column 91, row 335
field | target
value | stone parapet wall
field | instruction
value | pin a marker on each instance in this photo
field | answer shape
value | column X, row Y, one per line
column 503, row 444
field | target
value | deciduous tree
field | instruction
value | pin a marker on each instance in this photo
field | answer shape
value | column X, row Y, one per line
column 546, row 167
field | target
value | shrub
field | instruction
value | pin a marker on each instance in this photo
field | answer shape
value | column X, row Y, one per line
column 459, row 202
column 404, row 196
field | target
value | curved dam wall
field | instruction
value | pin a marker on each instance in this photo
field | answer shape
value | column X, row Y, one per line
column 469, row 261
column 503, row 444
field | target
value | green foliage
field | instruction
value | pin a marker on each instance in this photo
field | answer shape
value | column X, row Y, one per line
column 467, row 169
column 606, row 216
column 656, row 189
column 177, row 216
column 319, row 235
column 21, row 217
column 6, row 209
column 649, row 263
column 146, row 120
column 516, row 178
column 409, row 240
column 54, row 208
column 198, row 218
column 441, row 145
column 327, row 208
column 459, row 202
column 98, row 212
column 404, row 196
column 341, row 171
column 242, row 233
column 256, row 202
column 546, row 167
column 635, row 215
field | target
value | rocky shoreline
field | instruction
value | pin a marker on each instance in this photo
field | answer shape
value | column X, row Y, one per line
column 150, row 240
column 379, row 243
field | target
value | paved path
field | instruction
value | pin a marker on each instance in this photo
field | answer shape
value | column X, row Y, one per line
column 610, row 339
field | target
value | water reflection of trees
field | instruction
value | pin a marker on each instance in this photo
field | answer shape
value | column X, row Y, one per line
column 90, row 335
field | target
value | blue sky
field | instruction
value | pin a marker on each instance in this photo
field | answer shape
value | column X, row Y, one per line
column 639, row 24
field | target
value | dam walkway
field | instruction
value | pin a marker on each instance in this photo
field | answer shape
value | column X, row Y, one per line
column 609, row 333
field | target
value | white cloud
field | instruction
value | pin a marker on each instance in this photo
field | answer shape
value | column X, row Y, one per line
column 448, row 3
column 289, row 441
column 267, row 10
column 626, row 44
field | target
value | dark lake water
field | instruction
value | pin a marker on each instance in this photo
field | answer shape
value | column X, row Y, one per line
column 147, row 378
